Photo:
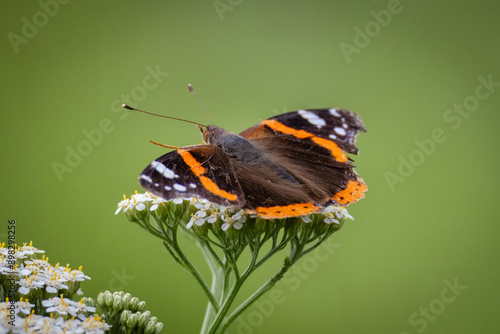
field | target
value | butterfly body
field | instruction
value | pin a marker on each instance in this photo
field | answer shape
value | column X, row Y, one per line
column 288, row 165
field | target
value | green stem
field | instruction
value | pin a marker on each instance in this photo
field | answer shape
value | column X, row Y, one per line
column 216, row 269
column 192, row 269
column 227, row 283
column 259, row 293
column 234, row 291
column 275, row 249
column 216, row 288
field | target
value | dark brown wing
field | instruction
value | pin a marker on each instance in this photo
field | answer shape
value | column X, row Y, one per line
column 310, row 145
column 194, row 171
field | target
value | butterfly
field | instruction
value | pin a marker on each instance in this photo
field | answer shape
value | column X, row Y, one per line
column 288, row 165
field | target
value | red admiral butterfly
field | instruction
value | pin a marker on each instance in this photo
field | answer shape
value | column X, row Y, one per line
column 289, row 165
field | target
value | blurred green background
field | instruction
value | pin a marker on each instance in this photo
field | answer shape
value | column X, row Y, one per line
column 416, row 71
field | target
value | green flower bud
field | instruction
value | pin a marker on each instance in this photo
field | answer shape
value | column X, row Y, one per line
column 88, row 301
column 101, row 301
column 124, row 316
column 126, row 300
column 141, row 306
column 132, row 321
column 150, row 327
column 108, row 297
column 117, row 303
column 144, row 319
column 132, row 306
column 158, row 328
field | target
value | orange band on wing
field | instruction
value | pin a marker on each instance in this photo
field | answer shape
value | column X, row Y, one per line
column 193, row 164
column 352, row 193
column 336, row 151
column 213, row 188
column 332, row 147
column 199, row 170
column 292, row 210
column 275, row 125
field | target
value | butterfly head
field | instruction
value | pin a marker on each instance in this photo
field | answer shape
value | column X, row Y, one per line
column 211, row 133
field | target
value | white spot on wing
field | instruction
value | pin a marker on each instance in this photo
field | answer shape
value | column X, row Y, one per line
column 160, row 168
column 167, row 188
column 344, row 126
column 333, row 136
column 334, row 112
column 312, row 118
column 168, row 173
column 192, row 185
column 179, row 187
column 340, row 131
column 146, row 178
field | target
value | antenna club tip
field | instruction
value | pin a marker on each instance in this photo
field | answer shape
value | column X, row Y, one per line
column 127, row 106
column 190, row 88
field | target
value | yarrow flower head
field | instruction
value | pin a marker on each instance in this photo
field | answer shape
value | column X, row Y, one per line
column 203, row 211
column 223, row 233
column 138, row 205
column 235, row 220
column 30, row 282
column 35, row 278
column 29, row 249
column 123, row 205
column 200, row 216
column 60, row 306
column 93, row 324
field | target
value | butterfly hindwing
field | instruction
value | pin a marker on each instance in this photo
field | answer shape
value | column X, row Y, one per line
column 194, row 171
column 311, row 145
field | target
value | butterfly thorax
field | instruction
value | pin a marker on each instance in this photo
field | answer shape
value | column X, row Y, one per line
column 233, row 145
column 243, row 150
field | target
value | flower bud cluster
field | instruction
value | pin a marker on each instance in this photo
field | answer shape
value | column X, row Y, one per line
column 127, row 313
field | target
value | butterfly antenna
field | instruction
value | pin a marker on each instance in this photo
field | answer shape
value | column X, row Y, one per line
column 150, row 113
column 191, row 89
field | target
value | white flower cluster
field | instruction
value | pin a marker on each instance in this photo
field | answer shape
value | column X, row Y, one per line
column 137, row 201
column 31, row 275
column 64, row 306
column 332, row 213
column 209, row 212
column 34, row 323
column 36, row 274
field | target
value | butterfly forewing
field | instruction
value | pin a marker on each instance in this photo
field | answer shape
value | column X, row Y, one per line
column 338, row 125
column 195, row 171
